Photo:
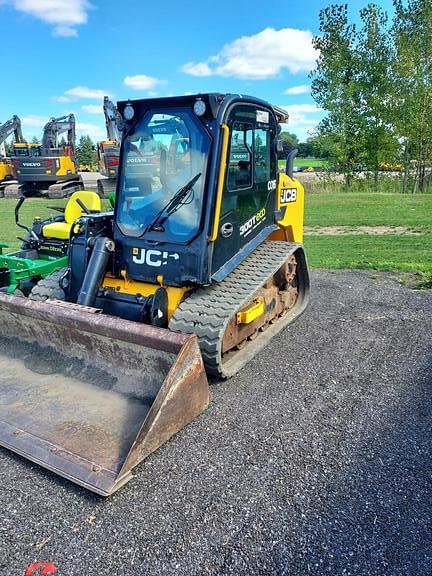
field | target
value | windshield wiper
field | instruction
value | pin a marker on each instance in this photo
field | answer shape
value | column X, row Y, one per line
column 172, row 206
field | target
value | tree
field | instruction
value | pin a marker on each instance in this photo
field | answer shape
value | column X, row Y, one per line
column 86, row 150
column 289, row 142
column 412, row 81
column 375, row 58
column 336, row 89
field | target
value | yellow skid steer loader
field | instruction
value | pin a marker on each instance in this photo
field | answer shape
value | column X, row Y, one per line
column 198, row 266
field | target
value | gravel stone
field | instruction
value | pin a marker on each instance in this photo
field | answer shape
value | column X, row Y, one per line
column 315, row 459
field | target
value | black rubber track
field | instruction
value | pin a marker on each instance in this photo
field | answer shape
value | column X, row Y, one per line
column 209, row 309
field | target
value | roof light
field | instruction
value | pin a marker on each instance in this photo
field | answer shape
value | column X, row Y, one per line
column 199, row 107
column 129, row 112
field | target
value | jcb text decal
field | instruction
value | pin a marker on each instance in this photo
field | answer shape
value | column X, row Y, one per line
column 288, row 195
column 152, row 257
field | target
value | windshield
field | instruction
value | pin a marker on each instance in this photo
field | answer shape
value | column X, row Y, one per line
column 21, row 151
column 166, row 150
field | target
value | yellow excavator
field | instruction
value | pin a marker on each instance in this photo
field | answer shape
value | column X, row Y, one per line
column 12, row 126
column 49, row 168
column 199, row 265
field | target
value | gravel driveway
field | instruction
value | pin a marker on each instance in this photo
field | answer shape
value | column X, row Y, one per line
column 315, row 459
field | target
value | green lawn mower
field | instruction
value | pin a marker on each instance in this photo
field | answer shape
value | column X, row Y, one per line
column 44, row 248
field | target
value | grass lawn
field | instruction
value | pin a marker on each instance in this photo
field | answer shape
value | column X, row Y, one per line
column 411, row 253
column 301, row 162
column 386, row 252
column 371, row 209
column 305, row 162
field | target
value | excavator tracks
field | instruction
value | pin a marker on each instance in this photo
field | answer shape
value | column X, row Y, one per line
column 57, row 190
column 210, row 311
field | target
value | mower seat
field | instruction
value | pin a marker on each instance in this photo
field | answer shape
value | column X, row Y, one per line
column 73, row 211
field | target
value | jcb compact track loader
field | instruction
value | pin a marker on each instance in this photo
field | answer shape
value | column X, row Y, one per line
column 199, row 265
column 48, row 169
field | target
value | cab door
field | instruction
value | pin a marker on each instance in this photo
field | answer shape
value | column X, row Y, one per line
column 249, row 197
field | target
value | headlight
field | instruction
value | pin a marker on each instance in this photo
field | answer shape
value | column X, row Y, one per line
column 199, row 107
column 128, row 112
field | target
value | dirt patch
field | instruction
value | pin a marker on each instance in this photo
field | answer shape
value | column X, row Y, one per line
column 354, row 230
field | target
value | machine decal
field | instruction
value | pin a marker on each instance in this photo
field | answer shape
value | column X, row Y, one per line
column 271, row 185
column 32, row 164
column 252, row 223
column 137, row 161
column 152, row 257
column 288, row 195
column 262, row 116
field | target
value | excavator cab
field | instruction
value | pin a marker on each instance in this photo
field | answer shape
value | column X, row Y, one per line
column 200, row 264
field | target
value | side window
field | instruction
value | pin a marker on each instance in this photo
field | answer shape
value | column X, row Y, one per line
column 262, row 155
column 240, row 160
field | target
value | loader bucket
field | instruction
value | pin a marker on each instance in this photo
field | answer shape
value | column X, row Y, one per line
column 89, row 396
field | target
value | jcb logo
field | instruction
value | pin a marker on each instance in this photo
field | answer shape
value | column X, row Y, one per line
column 152, row 257
column 288, row 195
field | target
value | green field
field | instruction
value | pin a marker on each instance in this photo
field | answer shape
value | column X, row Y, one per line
column 372, row 209
column 305, row 162
column 406, row 252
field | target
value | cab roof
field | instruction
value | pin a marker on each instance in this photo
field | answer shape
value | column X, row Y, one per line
column 213, row 100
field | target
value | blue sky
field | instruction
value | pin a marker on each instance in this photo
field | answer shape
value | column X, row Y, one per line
column 64, row 55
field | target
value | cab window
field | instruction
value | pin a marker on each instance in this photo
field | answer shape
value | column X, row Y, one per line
column 241, row 156
column 261, row 155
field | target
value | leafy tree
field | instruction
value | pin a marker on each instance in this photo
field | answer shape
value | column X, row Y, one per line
column 86, row 150
column 9, row 149
column 34, row 140
column 375, row 57
column 289, row 142
column 336, row 89
column 412, row 81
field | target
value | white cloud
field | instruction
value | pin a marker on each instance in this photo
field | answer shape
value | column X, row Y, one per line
column 260, row 56
column 303, row 118
column 294, row 90
column 33, row 121
column 199, row 69
column 81, row 92
column 65, row 32
column 141, row 82
column 92, row 109
column 64, row 15
column 95, row 131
